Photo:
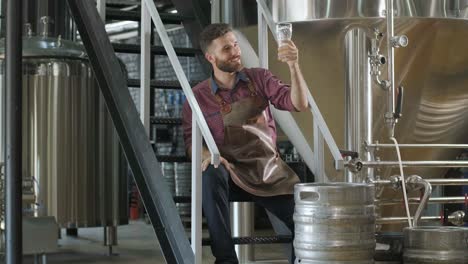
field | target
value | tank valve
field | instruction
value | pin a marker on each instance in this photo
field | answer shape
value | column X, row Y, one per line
column 28, row 30
column 59, row 41
column 458, row 218
column 354, row 165
column 399, row 41
column 395, row 181
column 378, row 59
column 45, row 22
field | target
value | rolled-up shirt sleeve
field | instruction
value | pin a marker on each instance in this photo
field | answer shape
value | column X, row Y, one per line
column 187, row 125
column 277, row 92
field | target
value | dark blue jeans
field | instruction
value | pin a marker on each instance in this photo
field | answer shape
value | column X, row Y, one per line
column 217, row 188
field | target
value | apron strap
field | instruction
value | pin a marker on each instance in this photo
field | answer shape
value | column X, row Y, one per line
column 253, row 91
column 225, row 106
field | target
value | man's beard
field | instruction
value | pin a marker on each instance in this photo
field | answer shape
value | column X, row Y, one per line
column 228, row 66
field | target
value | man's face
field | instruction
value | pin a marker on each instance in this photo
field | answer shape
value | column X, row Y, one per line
column 224, row 53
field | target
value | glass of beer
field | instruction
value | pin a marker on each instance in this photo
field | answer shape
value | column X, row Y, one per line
column 283, row 32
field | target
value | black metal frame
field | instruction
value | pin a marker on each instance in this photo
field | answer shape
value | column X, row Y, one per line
column 167, row 18
column 13, row 162
column 200, row 9
column 156, row 197
column 156, row 50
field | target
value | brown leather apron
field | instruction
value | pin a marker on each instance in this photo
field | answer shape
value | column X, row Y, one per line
column 256, row 165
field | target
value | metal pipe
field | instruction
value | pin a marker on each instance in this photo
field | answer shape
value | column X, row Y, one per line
column 243, row 226
column 403, row 219
column 368, row 120
column 454, row 146
column 215, row 11
column 356, row 89
column 2, row 18
column 440, row 182
column 227, row 10
column 448, row 181
column 419, row 163
column 456, row 218
column 110, row 238
column 389, row 118
column 415, row 182
column 432, row 200
column 13, row 58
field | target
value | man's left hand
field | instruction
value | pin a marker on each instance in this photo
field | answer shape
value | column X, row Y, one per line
column 288, row 52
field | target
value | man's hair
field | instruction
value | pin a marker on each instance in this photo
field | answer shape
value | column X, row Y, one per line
column 212, row 32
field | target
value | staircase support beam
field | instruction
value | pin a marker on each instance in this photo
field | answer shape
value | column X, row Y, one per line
column 146, row 169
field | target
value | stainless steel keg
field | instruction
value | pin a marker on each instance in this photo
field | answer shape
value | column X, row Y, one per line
column 435, row 244
column 334, row 223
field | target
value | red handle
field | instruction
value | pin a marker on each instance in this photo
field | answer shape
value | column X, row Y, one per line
column 466, row 201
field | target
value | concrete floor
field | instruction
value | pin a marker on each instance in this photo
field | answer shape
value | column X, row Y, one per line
column 137, row 244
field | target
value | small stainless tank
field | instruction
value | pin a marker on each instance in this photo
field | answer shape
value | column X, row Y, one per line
column 334, row 223
column 71, row 153
column 435, row 244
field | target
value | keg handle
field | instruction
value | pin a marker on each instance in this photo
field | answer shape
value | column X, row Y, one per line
column 308, row 196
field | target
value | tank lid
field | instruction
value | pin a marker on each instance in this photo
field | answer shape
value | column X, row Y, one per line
column 40, row 46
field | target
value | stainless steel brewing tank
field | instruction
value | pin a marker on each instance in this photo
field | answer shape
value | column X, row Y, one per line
column 432, row 68
column 313, row 10
column 436, row 244
column 334, row 223
column 71, row 152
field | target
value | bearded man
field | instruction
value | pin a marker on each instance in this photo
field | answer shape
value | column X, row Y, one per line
column 234, row 101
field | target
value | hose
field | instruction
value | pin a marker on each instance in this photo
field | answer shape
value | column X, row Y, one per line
column 403, row 182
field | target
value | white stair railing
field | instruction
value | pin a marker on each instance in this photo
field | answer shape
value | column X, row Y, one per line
column 321, row 132
column 199, row 127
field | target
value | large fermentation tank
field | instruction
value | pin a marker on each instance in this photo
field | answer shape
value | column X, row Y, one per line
column 334, row 39
column 73, row 166
column 432, row 68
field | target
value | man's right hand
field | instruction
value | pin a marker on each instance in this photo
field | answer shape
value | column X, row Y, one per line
column 206, row 162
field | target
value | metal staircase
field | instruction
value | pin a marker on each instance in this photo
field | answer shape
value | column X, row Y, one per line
column 133, row 136
column 146, row 170
column 127, row 12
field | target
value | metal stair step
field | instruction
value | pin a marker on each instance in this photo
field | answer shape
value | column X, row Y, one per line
column 182, row 199
column 165, row 121
column 188, row 199
column 170, row 158
column 167, row 18
column 156, row 50
column 255, row 240
column 135, row 83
